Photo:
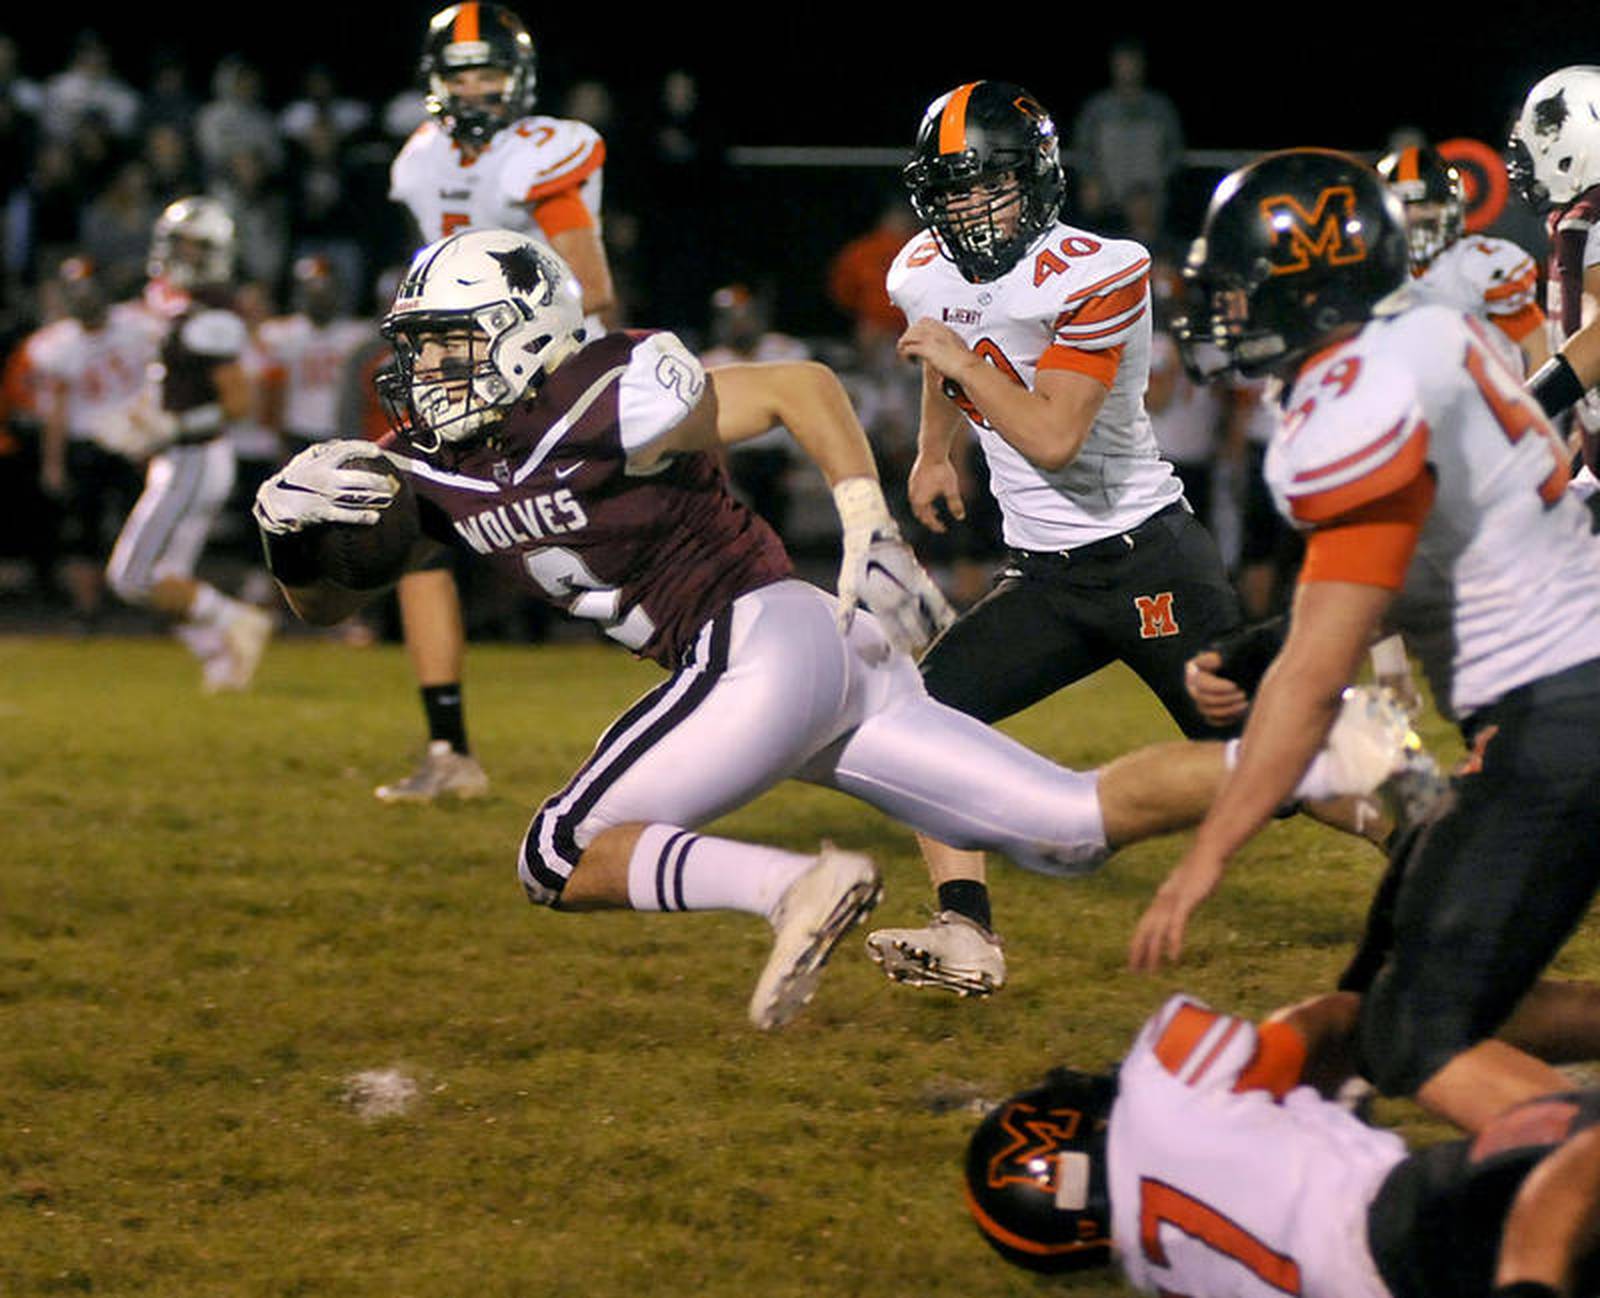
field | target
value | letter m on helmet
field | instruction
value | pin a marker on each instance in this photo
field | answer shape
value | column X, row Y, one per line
column 1328, row 234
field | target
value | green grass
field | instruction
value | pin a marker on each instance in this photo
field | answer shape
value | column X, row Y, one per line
column 209, row 925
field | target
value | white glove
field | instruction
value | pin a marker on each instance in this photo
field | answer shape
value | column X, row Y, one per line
column 879, row 572
column 314, row 487
column 145, row 430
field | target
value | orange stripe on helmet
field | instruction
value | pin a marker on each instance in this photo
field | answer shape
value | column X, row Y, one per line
column 466, row 25
column 953, row 121
column 1408, row 168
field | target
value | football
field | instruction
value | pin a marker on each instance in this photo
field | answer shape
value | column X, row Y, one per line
column 369, row 556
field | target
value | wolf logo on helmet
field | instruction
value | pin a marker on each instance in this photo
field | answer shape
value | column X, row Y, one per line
column 1554, row 151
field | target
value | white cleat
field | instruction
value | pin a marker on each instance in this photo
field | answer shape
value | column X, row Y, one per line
column 1369, row 740
column 443, row 773
column 812, row 916
column 952, row 952
column 244, row 640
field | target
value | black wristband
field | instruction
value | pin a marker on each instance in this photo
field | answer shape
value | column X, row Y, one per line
column 291, row 558
column 1555, row 385
column 1524, row 1289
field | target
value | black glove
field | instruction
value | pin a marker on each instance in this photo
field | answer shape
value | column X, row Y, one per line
column 1248, row 652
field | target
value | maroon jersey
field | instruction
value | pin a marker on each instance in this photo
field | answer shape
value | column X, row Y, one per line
column 201, row 338
column 548, row 500
column 1569, row 228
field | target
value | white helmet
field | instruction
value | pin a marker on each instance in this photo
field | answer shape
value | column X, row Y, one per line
column 1554, row 153
column 517, row 312
column 192, row 243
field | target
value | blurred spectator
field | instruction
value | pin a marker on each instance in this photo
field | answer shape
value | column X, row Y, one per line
column 116, row 230
column 260, row 214
column 591, row 102
column 1125, row 136
column 321, row 105
column 403, row 113
column 328, row 210
column 53, row 202
column 170, row 166
column 168, row 100
column 856, row 275
column 96, row 151
column 234, row 120
column 16, row 90
column 759, row 467
column 88, row 85
column 680, row 239
column 1188, row 420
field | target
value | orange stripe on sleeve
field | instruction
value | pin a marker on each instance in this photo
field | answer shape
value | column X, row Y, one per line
column 1394, row 473
column 1279, row 1062
column 1105, row 306
column 562, row 212
column 570, row 179
column 1373, row 545
column 1100, row 366
column 1524, row 281
column 1182, row 1035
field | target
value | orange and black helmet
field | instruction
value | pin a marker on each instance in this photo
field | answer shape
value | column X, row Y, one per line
column 985, row 175
column 1036, row 1174
column 475, row 35
column 1294, row 246
column 1430, row 187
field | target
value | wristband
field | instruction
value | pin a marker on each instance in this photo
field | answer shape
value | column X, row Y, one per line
column 1389, row 657
column 861, row 506
column 1556, row 386
column 1525, row 1289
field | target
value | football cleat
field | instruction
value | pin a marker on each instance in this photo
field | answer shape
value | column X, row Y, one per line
column 444, row 773
column 952, row 952
column 810, row 919
column 244, row 640
column 1370, row 740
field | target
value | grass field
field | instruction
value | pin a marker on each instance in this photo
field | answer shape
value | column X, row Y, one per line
column 210, row 927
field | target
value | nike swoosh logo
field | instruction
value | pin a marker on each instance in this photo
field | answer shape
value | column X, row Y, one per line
column 570, row 469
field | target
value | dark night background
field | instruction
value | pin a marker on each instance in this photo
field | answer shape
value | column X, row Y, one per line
column 1244, row 79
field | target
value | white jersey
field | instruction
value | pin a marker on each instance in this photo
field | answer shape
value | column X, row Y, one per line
column 1075, row 301
column 1187, row 427
column 527, row 163
column 1228, row 1182
column 1491, row 278
column 98, row 373
column 1504, row 586
column 308, row 360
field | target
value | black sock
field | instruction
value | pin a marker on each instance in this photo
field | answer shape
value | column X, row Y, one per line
column 967, row 897
column 446, row 720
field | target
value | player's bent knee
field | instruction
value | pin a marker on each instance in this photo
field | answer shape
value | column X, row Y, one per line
column 1401, row 1046
column 542, row 868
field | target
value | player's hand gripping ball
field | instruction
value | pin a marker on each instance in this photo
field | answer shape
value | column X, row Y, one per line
column 353, row 510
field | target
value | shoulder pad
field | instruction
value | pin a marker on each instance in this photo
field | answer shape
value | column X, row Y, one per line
column 214, row 333
column 548, row 155
column 1354, row 433
column 1196, row 1044
column 662, row 383
column 1097, row 288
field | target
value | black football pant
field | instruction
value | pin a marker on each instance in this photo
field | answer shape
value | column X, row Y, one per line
column 1151, row 598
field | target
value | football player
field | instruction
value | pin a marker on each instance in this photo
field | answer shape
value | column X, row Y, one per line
column 182, row 426
column 486, row 159
column 589, row 473
column 1034, row 336
column 1488, row 277
column 91, row 367
column 1212, row 1164
column 1554, row 162
column 1432, row 492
